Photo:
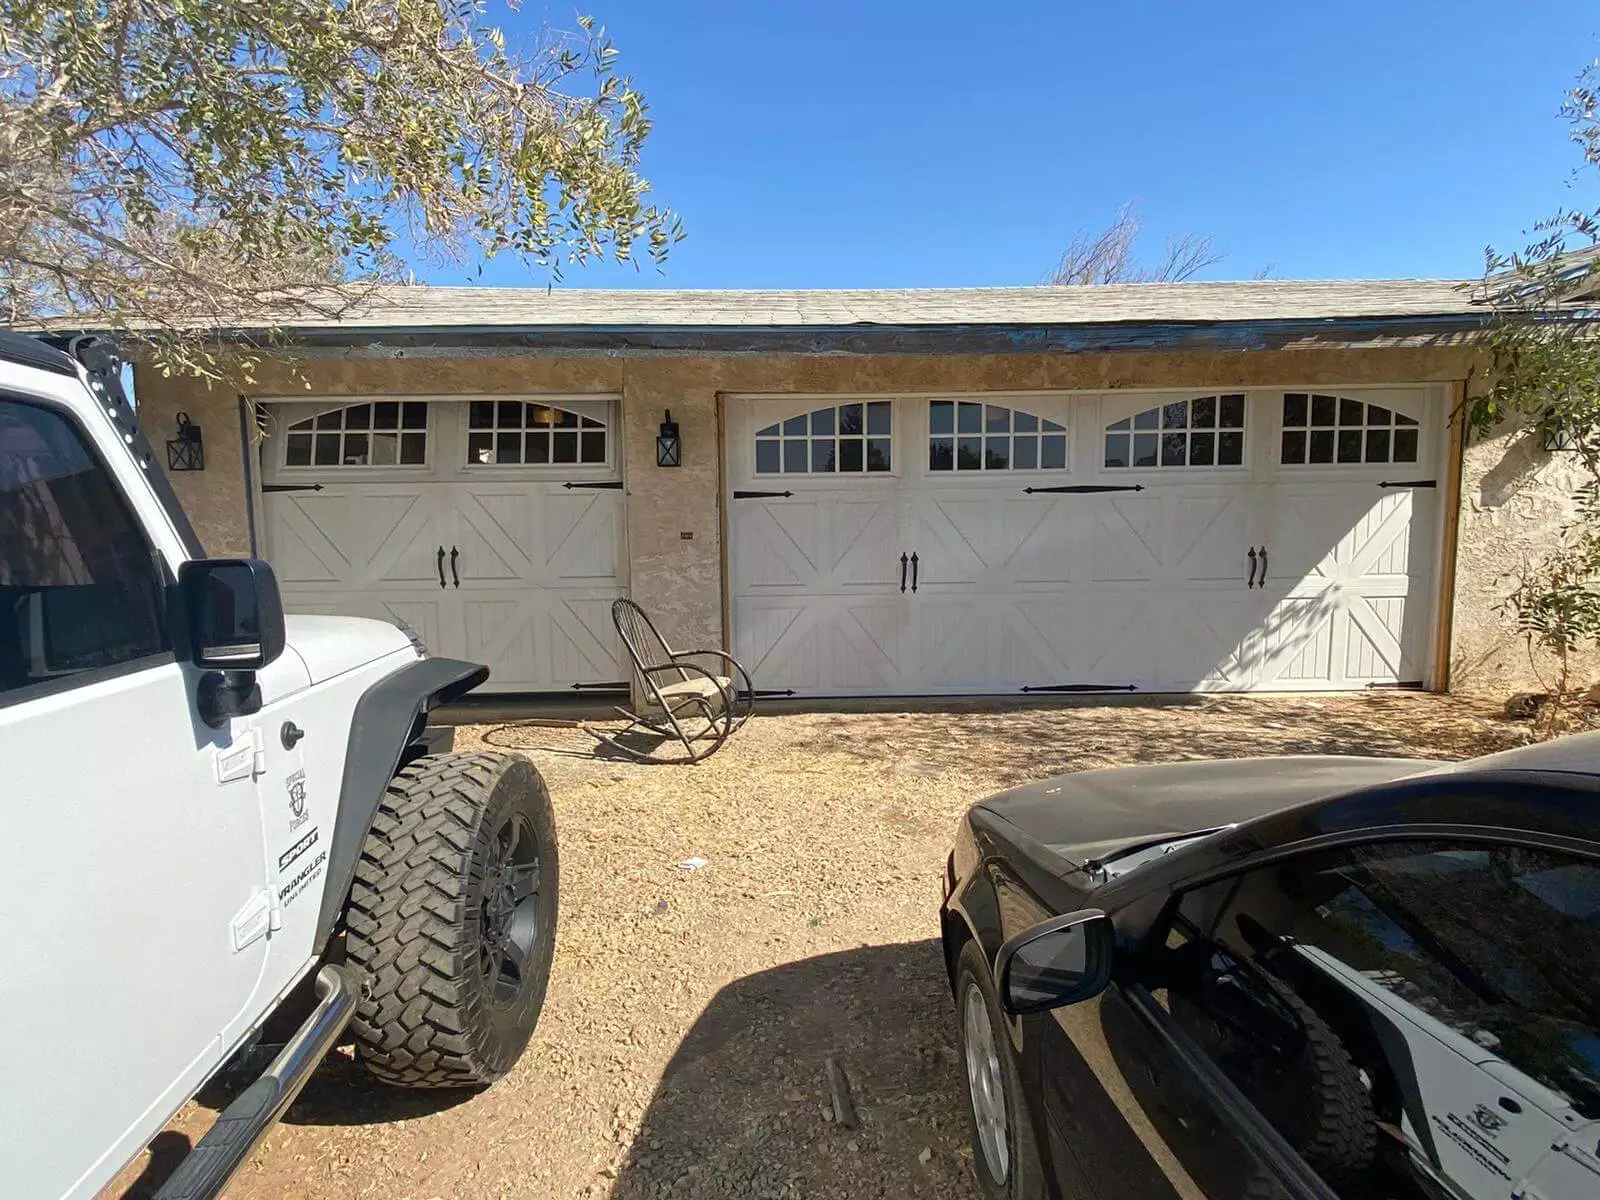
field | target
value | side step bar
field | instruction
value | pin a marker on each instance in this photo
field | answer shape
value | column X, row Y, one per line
column 222, row 1151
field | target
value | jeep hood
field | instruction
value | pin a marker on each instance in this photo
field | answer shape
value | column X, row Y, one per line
column 1089, row 814
column 330, row 646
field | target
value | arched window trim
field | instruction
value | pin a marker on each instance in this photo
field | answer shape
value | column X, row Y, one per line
column 853, row 437
column 971, row 436
column 360, row 434
column 1334, row 429
column 1192, row 432
column 516, row 432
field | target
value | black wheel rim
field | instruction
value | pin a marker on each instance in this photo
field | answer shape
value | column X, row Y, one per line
column 509, row 920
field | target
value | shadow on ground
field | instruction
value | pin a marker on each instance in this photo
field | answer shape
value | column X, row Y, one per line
column 738, row 1111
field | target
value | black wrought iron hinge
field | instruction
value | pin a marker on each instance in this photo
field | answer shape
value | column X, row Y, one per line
column 759, row 694
column 620, row 685
column 761, row 495
column 1400, row 685
column 610, row 485
column 291, row 487
column 1080, row 489
column 1084, row 687
column 1409, row 483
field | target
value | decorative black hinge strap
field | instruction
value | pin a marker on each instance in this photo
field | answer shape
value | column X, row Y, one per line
column 1403, row 685
column 760, row 495
column 1084, row 687
column 1409, row 483
column 758, row 694
column 620, row 685
column 1079, row 489
column 611, row 485
column 291, row 487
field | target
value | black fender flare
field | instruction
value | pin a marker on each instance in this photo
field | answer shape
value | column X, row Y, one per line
column 388, row 718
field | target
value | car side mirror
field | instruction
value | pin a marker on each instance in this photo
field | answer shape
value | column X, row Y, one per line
column 1055, row 963
column 234, row 613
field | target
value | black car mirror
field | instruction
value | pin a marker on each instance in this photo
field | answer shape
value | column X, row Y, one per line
column 1055, row 963
column 233, row 612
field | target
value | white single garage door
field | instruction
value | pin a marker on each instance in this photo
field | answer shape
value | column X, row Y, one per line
column 1201, row 540
column 492, row 527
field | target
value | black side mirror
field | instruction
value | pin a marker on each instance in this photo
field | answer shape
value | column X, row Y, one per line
column 234, row 613
column 1055, row 963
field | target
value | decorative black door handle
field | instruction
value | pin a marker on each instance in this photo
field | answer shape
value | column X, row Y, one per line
column 1252, row 580
column 454, row 553
column 913, row 570
column 1262, row 582
column 903, row 561
column 440, row 564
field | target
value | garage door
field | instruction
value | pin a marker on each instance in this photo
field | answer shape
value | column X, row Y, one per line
column 491, row 527
column 1218, row 540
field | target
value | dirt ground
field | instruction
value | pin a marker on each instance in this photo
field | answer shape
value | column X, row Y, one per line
column 681, row 1050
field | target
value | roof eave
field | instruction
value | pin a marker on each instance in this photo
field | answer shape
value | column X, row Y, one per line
column 1452, row 329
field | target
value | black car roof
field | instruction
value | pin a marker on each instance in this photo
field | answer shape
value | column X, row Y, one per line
column 31, row 352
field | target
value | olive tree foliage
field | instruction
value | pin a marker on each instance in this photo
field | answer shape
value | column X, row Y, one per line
column 1544, row 352
column 1112, row 256
column 172, row 168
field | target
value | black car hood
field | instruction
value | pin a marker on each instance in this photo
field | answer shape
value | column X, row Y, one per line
column 1089, row 814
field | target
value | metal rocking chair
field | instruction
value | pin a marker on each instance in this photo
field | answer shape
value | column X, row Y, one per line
column 679, row 699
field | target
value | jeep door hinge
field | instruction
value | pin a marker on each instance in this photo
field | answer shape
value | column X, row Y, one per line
column 261, row 914
column 243, row 759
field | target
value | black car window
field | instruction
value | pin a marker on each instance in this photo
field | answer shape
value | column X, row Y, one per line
column 1336, row 988
column 79, row 585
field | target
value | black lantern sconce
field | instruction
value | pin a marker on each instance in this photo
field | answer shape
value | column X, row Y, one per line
column 1559, row 438
column 669, row 449
column 186, row 452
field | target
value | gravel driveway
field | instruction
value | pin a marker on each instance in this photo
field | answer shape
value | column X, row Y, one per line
column 681, row 1051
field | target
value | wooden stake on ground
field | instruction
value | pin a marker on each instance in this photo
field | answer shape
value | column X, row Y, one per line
column 844, row 1108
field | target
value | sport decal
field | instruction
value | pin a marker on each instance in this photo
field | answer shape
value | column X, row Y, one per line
column 296, row 850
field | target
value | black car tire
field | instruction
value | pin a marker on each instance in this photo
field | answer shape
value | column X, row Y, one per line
column 433, row 910
column 1025, row 1174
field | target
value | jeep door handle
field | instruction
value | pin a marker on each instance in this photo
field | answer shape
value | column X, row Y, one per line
column 454, row 554
column 439, row 562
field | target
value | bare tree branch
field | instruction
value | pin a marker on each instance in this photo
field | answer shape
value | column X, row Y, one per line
column 1110, row 256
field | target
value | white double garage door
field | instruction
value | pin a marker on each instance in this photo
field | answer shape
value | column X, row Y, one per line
column 491, row 526
column 1214, row 539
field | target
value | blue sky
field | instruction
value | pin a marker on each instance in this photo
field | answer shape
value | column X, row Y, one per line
column 894, row 144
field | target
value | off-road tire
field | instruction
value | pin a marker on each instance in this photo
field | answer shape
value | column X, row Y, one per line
column 417, row 920
column 1318, row 1103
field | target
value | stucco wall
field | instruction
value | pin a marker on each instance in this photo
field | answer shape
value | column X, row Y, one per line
column 679, row 579
column 1515, row 497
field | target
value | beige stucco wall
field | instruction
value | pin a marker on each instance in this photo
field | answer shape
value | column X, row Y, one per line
column 1515, row 497
column 680, row 580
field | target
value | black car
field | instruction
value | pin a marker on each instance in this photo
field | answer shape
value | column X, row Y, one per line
column 1305, row 977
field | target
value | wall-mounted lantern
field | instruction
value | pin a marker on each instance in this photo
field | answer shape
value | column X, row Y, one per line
column 186, row 452
column 1560, row 438
column 669, row 450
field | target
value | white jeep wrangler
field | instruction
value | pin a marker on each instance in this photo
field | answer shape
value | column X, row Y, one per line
column 218, row 815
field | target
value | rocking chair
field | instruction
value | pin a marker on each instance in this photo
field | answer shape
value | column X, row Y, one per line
column 679, row 699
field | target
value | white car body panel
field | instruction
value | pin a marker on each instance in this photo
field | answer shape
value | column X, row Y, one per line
column 151, row 851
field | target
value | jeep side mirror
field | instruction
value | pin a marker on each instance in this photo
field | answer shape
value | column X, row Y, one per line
column 234, row 613
column 1055, row 963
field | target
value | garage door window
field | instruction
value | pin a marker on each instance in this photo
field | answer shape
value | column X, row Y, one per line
column 1327, row 429
column 845, row 437
column 385, row 433
column 518, row 433
column 964, row 435
column 1207, row 431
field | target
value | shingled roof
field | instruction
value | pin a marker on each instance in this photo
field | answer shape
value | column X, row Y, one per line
column 423, row 307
